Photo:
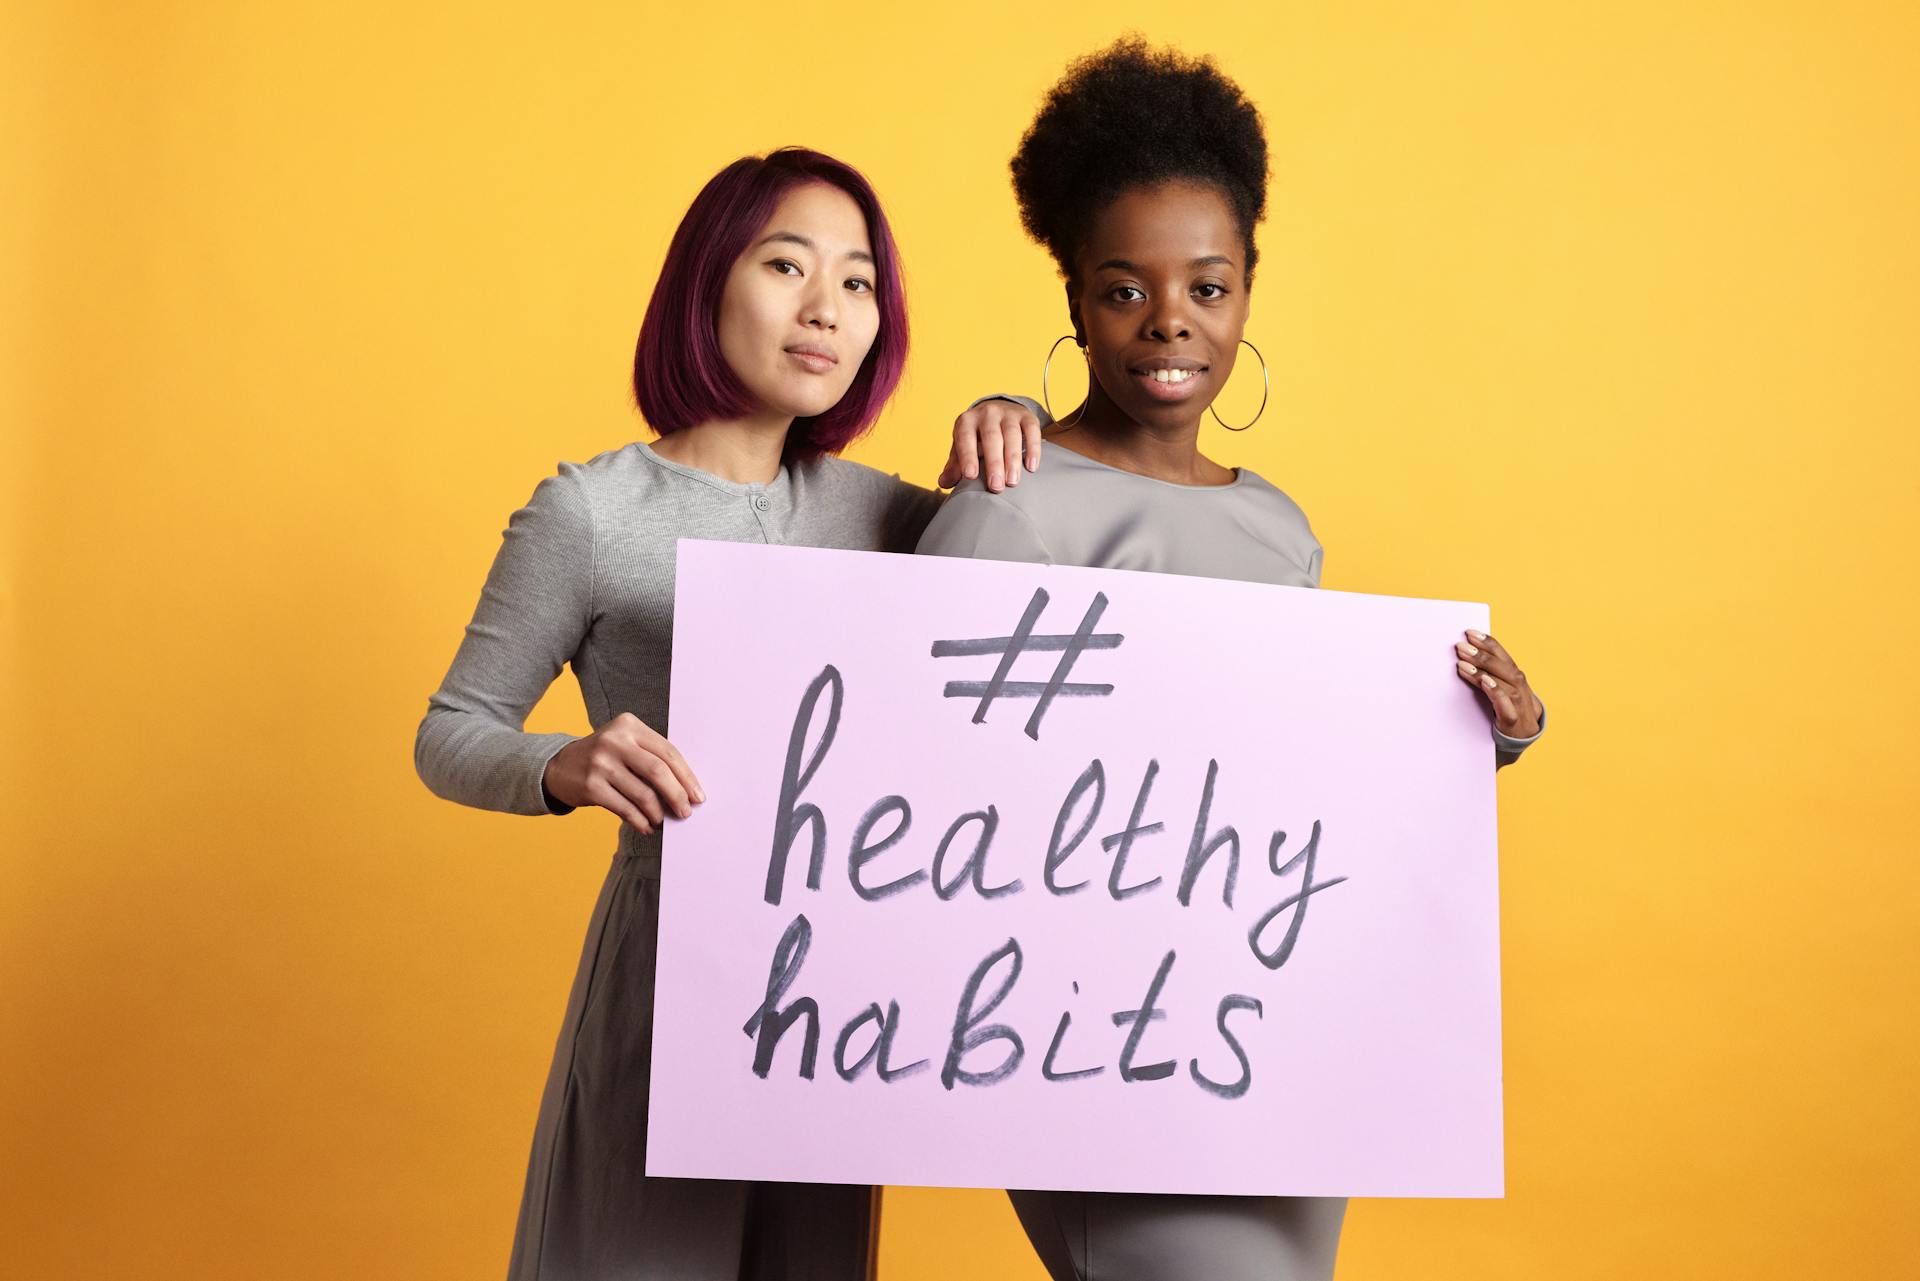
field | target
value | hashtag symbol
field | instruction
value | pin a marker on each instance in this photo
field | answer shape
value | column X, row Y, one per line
column 1023, row 640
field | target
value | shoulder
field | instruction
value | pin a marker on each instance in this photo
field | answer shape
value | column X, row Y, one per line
column 627, row 486
column 1062, row 474
column 975, row 522
column 612, row 469
column 622, row 491
column 831, row 474
column 1281, row 521
column 1270, row 497
column 581, row 483
column 1015, row 502
column 847, row 483
column 1046, row 514
column 564, row 493
column 556, row 527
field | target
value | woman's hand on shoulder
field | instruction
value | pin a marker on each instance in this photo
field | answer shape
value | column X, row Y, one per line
column 1484, row 663
column 628, row 767
column 999, row 433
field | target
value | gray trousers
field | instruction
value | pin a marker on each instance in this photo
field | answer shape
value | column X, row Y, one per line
column 1126, row 1236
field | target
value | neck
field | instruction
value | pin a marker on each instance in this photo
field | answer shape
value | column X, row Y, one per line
column 745, row 451
column 1166, row 451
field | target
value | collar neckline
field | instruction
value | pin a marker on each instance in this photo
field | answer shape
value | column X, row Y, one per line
column 1239, row 473
column 778, row 485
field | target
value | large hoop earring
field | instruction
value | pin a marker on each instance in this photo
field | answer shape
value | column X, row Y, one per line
column 1266, row 385
column 1044, row 369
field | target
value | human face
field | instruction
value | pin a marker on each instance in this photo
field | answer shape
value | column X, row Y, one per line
column 1160, row 301
column 798, row 314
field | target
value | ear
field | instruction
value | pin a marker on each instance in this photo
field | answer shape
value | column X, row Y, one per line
column 1073, row 315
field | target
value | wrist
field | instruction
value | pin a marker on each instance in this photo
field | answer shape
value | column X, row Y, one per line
column 553, row 803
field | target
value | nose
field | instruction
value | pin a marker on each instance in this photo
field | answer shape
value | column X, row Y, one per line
column 820, row 309
column 1168, row 321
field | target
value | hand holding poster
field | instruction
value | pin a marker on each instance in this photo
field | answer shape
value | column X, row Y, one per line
column 1046, row 876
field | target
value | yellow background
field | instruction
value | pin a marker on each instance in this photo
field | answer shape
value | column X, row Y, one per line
column 1603, row 314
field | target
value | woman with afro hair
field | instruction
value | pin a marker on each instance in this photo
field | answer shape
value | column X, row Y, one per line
column 1144, row 175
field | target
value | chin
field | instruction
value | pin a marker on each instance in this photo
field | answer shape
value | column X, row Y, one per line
column 811, row 406
column 1158, row 413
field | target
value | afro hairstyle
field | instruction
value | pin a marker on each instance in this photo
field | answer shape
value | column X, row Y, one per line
column 1131, row 116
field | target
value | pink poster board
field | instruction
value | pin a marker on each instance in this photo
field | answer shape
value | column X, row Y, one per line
column 1021, row 854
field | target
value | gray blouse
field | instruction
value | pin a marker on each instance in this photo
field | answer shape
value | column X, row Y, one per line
column 584, row 576
column 1076, row 511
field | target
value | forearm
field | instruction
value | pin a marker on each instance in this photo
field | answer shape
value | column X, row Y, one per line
column 463, row 756
column 532, row 618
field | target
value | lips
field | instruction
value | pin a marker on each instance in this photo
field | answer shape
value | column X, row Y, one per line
column 813, row 356
column 1168, row 378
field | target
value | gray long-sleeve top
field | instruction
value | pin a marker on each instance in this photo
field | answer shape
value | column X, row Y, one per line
column 585, row 576
column 1076, row 511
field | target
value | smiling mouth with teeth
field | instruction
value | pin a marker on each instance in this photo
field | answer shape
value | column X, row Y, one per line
column 1173, row 375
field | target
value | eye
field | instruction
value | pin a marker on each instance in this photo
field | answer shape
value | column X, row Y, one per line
column 1219, row 291
column 1115, row 292
column 859, row 285
column 780, row 265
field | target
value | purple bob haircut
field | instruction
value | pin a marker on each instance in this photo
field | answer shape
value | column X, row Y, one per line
column 680, row 377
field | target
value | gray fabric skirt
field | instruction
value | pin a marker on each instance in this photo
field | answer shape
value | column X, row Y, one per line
column 1125, row 1236
column 589, row 1213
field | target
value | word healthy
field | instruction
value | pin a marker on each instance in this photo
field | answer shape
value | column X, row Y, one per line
column 959, row 866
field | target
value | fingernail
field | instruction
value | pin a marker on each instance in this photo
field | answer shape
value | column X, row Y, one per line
column 1466, row 669
column 1487, row 681
column 1479, row 636
column 1013, row 478
column 700, row 795
column 1466, row 649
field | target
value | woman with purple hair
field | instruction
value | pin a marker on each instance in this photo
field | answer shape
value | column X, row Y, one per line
column 777, row 331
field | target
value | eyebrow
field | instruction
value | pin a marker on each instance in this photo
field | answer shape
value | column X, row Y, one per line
column 1211, row 260
column 795, row 238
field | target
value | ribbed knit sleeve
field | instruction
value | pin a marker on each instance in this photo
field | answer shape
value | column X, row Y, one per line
column 1507, row 749
column 533, row 615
